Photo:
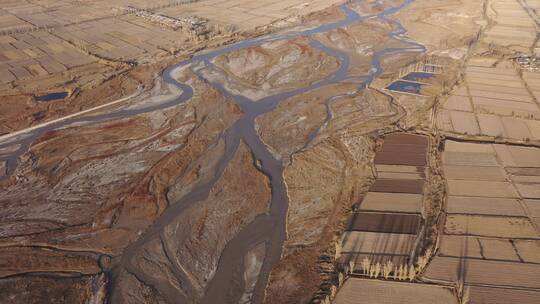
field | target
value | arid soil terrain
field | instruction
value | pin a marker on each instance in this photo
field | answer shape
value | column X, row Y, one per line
column 376, row 151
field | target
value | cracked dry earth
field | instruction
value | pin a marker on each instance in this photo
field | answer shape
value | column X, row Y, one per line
column 231, row 181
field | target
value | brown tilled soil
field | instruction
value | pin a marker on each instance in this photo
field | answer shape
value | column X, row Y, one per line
column 384, row 222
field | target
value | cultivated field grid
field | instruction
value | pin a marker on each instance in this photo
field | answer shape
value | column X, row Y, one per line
column 56, row 41
column 492, row 230
column 382, row 234
column 497, row 99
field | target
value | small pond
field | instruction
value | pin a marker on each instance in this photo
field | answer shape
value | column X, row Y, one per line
column 51, row 96
column 405, row 87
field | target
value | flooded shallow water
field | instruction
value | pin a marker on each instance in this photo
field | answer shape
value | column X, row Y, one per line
column 51, row 96
column 406, row 87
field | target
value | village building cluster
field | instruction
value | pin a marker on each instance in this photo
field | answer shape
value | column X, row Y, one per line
column 528, row 62
column 192, row 23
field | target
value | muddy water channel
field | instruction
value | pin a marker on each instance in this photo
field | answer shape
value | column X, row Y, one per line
column 226, row 285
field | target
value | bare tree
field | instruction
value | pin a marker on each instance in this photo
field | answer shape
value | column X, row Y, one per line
column 366, row 265
column 412, row 273
column 377, row 269
column 387, row 269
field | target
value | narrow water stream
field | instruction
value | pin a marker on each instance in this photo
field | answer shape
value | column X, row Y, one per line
column 268, row 228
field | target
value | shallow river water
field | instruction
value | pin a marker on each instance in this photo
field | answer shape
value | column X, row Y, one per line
column 268, row 228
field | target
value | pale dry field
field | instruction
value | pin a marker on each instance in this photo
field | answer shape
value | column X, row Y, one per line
column 533, row 206
column 379, row 292
column 529, row 250
column 397, row 202
column 514, row 27
column 481, row 188
column 497, row 99
column 484, row 205
column 475, row 271
column 470, row 159
column 491, row 233
column 502, row 295
column 494, row 102
column 493, row 226
column 456, row 246
column 474, row 173
column 486, row 248
column 491, row 179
